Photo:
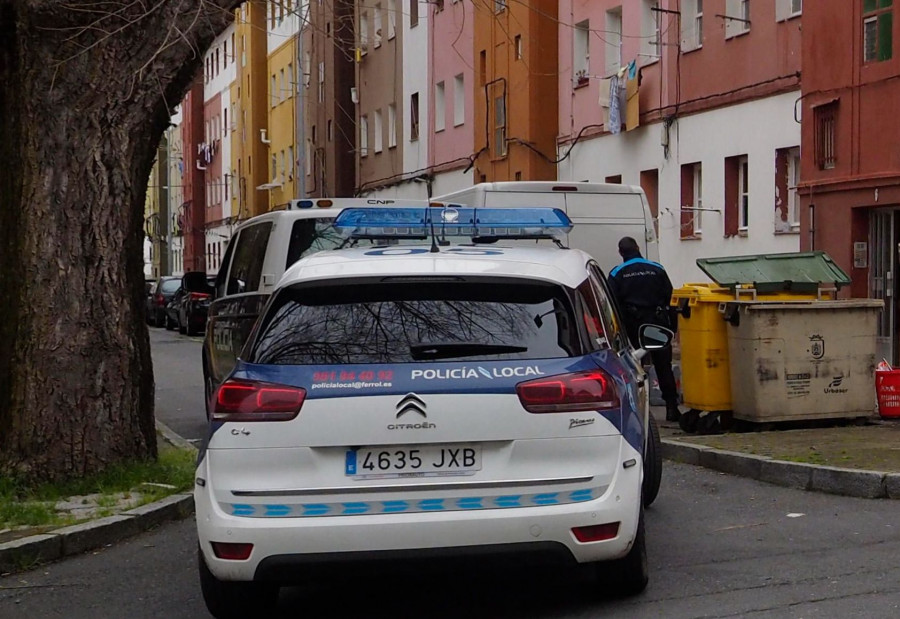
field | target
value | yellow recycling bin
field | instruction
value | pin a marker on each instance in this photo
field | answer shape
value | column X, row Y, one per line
column 705, row 376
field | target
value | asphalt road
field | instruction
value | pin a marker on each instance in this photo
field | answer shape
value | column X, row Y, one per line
column 719, row 546
column 178, row 375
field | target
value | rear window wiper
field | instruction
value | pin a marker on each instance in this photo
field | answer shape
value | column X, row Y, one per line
column 448, row 350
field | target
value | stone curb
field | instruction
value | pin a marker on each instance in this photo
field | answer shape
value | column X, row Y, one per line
column 830, row 479
column 22, row 554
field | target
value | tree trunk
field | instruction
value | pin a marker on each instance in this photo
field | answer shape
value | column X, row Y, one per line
column 87, row 90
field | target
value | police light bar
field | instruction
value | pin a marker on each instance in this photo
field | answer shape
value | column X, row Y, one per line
column 418, row 223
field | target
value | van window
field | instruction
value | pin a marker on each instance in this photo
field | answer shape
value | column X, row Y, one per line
column 311, row 235
column 222, row 275
column 358, row 321
column 249, row 255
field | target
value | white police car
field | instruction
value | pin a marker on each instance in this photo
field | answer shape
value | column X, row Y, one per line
column 424, row 401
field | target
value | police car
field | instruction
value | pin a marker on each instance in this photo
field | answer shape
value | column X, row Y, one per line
column 430, row 400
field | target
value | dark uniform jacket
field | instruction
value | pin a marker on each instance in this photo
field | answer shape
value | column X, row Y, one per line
column 643, row 292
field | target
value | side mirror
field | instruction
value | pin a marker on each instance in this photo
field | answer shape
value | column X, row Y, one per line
column 653, row 337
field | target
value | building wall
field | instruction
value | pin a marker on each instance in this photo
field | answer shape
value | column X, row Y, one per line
column 251, row 96
column 529, row 84
column 282, row 121
column 451, row 50
column 192, row 212
column 328, row 135
column 866, row 171
column 416, row 78
column 754, row 128
column 378, row 88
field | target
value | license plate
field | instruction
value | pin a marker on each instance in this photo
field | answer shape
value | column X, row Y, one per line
column 413, row 461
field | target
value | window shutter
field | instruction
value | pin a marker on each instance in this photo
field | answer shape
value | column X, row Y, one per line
column 731, row 196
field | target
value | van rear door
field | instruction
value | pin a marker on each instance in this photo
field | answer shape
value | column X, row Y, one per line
column 601, row 219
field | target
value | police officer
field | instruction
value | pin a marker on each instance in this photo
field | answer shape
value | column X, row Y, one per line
column 643, row 293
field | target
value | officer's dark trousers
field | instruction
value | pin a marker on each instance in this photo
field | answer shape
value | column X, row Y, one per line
column 662, row 363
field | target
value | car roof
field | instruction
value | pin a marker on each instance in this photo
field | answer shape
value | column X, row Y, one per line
column 547, row 263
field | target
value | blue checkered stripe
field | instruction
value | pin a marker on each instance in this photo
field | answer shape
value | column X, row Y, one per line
column 412, row 506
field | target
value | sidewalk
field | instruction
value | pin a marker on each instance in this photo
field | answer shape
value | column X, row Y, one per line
column 26, row 552
column 853, row 460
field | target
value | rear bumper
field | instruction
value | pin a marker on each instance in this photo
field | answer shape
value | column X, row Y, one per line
column 285, row 547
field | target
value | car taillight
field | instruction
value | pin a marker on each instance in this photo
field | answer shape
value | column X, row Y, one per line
column 568, row 393
column 160, row 300
column 231, row 551
column 596, row 532
column 249, row 400
column 199, row 296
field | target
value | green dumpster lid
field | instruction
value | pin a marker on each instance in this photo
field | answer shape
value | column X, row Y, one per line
column 768, row 273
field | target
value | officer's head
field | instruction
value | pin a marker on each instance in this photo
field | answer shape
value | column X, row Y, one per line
column 628, row 247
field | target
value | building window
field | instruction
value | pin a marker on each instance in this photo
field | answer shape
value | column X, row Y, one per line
column 283, row 176
column 785, row 9
column 787, row 200
column 329, row 131
column 290, row 169
column 307, row 68
column 392, row 125
column 377, row 26
column 281, row 90
column 878, row 24
column 392, row 19
column 499, row 6
column 500, row 126
column 691, row 25
column 439, row 107
column 793, row 180
column 691, row 200
column 289, row 85
column 582, row 52
column 737, row 17
column 274, row 167
column 613, row 37
column 650, row 31
column 438, row 5
column 743, row 194
column 321, row 82
column 274, row 96
column 459, row 100
column 363, row 136
column 736, row 196
column 413, row 13
column 414, row 117
column 518, row 46
column 825, row 124
column 379, row 131
column 364, row 32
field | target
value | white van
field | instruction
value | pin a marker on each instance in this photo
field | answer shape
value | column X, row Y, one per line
column 602, row 213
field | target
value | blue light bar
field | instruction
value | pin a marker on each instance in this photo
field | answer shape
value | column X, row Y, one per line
column 417, row 223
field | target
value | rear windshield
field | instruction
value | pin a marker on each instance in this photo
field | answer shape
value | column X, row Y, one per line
column 170, row 285
column 416, row 321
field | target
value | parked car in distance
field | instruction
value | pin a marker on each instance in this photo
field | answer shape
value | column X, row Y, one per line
column 149, row 284
column 159, row 297
column 193, row 300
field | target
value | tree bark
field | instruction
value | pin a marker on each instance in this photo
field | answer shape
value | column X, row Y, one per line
column 86, row 91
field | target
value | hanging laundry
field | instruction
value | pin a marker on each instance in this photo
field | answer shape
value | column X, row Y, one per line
column 632, row 98
column 603, row 101
column 616, row 103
